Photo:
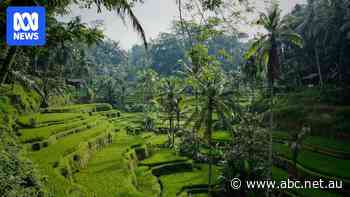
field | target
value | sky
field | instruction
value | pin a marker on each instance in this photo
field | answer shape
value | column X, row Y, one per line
column 155, row 16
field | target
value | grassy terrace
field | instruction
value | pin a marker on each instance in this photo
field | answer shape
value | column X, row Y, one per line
column 129, row 119
column 318, row 141
column 163, row 156
column 174, row 183
column 34, row 120
column 155, row 139
column 41, row 133
column 317, row 162
column 81, row 108
column 47, row 158
column 108, row 174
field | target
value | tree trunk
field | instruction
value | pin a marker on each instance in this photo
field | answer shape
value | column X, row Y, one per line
column 172, row 131
column 270, row 162
column 178, row 119
column 35, row 64
column 169, row 132
column 195, row 150
column 318, row 67
column 273, row 70
column 8, row 64
column 209, row 133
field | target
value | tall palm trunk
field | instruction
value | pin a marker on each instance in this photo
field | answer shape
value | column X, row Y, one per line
column 209, row 133
column 172, row 131
column 8, row 64
column 196, row 148
column 178, row 119
column 273, row 69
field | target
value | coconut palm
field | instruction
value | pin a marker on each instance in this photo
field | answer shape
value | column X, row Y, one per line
column 170, row 99
column 314, row 27
column 266, row 48
column 148, row 83
column 214, row 98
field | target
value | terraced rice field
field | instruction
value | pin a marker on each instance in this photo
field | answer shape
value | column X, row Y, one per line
column 86, row 152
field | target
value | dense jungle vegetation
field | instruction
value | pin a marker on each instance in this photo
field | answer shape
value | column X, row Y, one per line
column 182, row 114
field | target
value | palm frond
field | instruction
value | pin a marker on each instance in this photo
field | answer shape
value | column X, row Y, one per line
column 135, row 22
column 294, row 38
column 123, row 8
column 254, row 48
column 265, row 57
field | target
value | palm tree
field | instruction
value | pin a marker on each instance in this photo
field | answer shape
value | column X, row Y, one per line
column 171, row 99
column 148, row 81
column 213, row 98
column 199, row 58
column 266, row 48
column 312, row 27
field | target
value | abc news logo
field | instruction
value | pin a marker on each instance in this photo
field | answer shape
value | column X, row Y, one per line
column 25, row 26
column 33, row 26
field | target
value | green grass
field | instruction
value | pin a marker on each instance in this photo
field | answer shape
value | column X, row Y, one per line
column 45, row 158
column 328, row 143
column 110, row 113
column 47, row 118
column 41, row 133
column 317, row 162
column 319, row 141
column 173, row 183
column 163, row 156
column 108, row 174
column 146, row 182
column 129, row 119
column 157, row 139
column 222, row 136
column 22, row 99
column 81, row 108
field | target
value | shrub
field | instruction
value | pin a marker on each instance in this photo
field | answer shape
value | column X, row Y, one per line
column 32, row 122
column 76, row 157
column 141, row 153
column 45, row 144
column 36, row 146
column 55, row 164
column 103, row 107
column 64, row 172
column 187, row 145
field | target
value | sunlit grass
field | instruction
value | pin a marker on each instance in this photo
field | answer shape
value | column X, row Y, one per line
column 173, row 183
column 222, row 136
column 108, row 173
column 41, row 133
column 163, row 156
column 47, row 157
column 47, row 118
